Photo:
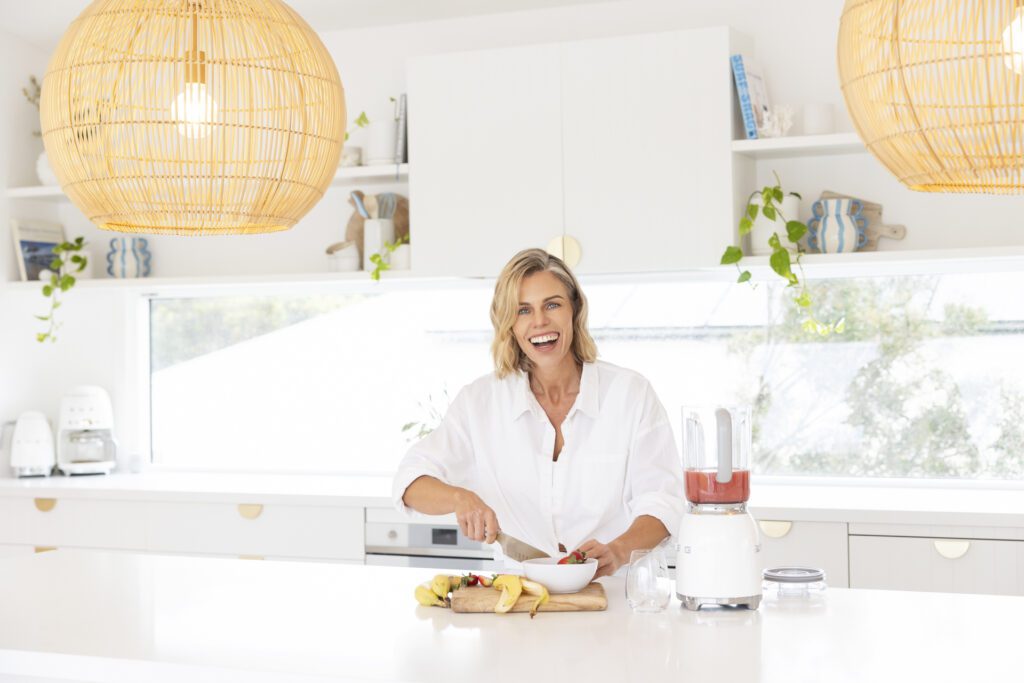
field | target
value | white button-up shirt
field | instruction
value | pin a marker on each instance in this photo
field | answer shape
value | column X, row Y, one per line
column 619, row 459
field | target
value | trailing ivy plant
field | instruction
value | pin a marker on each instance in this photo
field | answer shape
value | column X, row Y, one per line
column 784, row 256
column 67, row 261
column 378, row 260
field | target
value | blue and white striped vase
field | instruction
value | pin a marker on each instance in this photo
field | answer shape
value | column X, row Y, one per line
column 837, row 226
column 128, row 257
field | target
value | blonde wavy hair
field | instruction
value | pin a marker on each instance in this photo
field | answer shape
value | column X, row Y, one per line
column 508, row 357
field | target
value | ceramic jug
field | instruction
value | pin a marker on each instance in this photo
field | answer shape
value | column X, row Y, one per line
column 837, row 226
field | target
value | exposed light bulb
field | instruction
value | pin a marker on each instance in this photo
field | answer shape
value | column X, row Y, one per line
column 195, row 110
column 1013, row 42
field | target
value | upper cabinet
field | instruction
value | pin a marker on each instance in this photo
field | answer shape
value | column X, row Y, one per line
column 621, row 144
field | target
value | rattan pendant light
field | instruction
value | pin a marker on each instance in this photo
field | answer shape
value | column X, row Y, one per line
column 192, row 117
column 936, row 90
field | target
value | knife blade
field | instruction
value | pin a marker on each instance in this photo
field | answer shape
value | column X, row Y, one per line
column 517, row 550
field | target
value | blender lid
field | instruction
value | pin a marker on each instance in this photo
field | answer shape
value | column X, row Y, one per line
column 793, row 574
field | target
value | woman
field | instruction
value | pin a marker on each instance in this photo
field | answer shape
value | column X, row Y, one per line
column 555, row 448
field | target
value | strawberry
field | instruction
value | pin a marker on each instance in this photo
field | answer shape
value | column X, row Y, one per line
column 575, row 557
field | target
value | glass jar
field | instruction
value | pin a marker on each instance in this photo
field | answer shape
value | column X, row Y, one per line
column 793, row 583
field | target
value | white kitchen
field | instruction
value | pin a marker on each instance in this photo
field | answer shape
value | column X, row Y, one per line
column 264, row 273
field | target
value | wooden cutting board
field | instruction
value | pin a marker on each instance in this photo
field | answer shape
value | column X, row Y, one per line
column 479, row 599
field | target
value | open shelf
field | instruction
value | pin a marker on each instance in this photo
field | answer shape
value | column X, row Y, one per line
column 800, row 146
column 344, row 176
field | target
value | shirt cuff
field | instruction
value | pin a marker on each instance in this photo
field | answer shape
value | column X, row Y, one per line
column 664, row 508
column 401, row 482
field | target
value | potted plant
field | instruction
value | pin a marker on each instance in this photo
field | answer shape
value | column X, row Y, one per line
column 382, row 259
column 769, row 203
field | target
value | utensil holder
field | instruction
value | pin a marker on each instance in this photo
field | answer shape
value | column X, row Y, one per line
column 376, row 231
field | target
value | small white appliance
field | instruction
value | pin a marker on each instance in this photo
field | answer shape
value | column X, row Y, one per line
column 719, row 560
column 32, row 446
column 85, row 432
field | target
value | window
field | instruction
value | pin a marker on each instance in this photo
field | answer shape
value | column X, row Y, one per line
column 926, row 381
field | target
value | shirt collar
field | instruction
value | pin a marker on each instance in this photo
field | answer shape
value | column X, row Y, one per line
column 587, row 402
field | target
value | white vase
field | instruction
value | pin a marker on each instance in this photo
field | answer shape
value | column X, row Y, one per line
column 44, row 171
column 380, row 148
column 763, row 228
column 376, row 231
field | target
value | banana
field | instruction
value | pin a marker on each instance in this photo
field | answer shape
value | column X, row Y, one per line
column 534, row 588
column 426, row 596
column 511, row 588
column 441, row 586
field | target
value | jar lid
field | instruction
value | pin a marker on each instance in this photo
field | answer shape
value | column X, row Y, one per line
column 793, row 574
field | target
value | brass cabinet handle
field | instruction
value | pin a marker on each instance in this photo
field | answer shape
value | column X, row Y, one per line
column 44, row 548
column 250, row 510
column 566, row 248
column 251, row 557
column 952, row 550
column 45, row 504
column 775, row 529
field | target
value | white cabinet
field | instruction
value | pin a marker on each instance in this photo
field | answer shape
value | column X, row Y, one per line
column 822, row 545
column 621, row 143
column 485, row 138
column 937, row 564
column 252, row 529
column 63, row 522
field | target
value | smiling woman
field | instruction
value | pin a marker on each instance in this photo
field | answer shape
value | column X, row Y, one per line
column 553, row 447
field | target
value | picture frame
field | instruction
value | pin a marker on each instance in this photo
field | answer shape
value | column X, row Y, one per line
column 34, row 241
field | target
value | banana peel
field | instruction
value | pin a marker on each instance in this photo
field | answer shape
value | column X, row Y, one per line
column 441, row 586
column 511, row 588
column 534, row 588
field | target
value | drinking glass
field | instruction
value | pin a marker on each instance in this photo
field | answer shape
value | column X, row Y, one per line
column 648, row 587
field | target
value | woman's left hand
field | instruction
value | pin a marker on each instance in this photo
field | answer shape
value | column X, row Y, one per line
column 609, row 557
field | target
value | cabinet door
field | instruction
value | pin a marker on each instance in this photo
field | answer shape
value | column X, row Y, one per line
column 822, row 545
column 937, row 564
column 648, row 169
column 485, row 157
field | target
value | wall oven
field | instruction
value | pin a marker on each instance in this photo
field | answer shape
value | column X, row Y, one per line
column 416, row 544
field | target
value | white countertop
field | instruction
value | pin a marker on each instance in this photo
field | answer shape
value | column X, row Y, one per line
column 795, row 502
column 116, row 617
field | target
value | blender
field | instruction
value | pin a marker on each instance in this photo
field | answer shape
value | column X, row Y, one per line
column 719, row 560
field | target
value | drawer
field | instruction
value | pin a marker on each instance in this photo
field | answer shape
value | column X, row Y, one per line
column 63, row 522
column 807, row 544
column 253, row 529
column 937, row 564
column 7, row 550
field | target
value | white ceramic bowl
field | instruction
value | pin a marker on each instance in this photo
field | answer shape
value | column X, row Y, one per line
column 560, row 578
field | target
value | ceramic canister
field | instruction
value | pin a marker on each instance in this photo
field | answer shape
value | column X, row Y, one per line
column 128, row 257
column 837, row 226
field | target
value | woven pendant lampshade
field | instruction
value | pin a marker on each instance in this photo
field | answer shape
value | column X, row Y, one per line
column 936, row 90
column 192, row 117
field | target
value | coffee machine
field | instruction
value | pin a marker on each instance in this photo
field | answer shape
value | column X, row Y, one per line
column 719, row 560
column 32, row 446
column 85, row 432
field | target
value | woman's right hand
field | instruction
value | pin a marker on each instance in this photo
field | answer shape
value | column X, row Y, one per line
column 477, row 521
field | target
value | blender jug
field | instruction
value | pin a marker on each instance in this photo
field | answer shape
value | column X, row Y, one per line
column 716, row 454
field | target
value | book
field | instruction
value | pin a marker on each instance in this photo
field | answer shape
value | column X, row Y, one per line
column 400, row 146
column 750, row 92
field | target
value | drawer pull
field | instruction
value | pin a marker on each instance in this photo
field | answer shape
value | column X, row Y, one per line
column 45, row 504
column 774, row 529
column 44, row 548
column 565, row 248
column 952, row 550
column 250, row 510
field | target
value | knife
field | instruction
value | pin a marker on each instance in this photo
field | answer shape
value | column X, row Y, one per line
column 517, row 550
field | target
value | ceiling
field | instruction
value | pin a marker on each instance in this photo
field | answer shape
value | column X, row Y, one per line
column 43, row 22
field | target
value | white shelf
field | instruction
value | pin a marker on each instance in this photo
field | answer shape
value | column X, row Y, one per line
column 899, row 262
column 800, row 146
column 344, row 176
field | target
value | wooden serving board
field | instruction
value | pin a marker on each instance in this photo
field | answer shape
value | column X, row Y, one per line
column 479, row 599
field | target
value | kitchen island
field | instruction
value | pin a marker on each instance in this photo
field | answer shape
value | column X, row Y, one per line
column 117, row 617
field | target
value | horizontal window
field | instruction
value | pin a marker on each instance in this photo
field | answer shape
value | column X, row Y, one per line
column 924, row 381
